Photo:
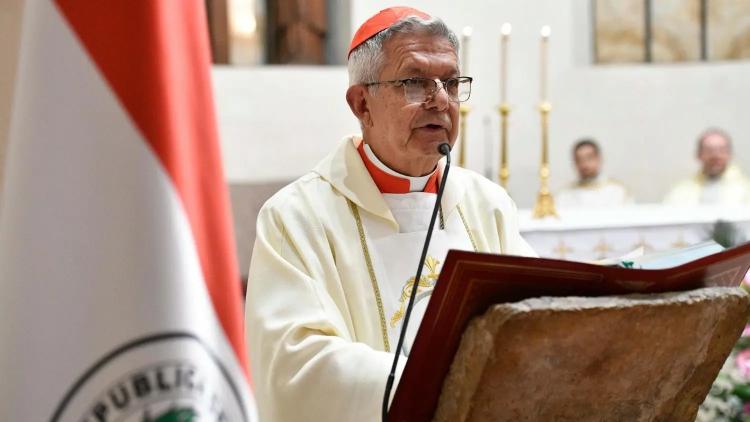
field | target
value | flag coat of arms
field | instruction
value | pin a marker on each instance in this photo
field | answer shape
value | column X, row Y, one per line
column 119, row 291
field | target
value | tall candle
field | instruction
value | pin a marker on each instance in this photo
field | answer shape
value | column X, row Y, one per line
column 465, row 50
column 545, row 32
column 504, row 38
column 488, row 147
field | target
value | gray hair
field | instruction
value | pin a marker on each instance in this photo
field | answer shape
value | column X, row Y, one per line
column 366, row 60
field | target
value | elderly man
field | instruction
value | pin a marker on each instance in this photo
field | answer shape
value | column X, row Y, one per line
column 335, row 250
column 719, row 182
column 592, row 189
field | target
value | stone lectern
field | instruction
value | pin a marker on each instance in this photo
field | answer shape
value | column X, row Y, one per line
column 523, row 339
column 621, row 358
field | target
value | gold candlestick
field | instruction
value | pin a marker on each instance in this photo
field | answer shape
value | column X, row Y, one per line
column 463, row 111
column 545, row 204
column 504, row 172
column 504, row 109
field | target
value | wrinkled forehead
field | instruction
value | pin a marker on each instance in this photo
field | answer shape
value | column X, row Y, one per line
column 420, row 54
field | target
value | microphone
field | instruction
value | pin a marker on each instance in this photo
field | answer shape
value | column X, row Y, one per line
column 444, row 149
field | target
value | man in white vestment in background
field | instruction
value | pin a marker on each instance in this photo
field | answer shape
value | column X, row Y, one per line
column 336, row 248
column 719, row 182
column 592, row 189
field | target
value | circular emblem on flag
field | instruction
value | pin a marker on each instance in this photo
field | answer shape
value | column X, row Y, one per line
column 162, row 378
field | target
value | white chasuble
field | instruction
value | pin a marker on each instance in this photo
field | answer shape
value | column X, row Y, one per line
column 601, row 192
column 396, row 255
column 732, row 188
column 318, row 331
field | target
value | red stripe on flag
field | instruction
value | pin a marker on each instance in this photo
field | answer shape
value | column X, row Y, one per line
column 155, row 56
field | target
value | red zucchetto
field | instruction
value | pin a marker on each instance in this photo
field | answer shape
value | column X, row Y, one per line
column 383, row 20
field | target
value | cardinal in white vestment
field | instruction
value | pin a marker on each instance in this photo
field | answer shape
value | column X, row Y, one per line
column 592, row 189
column 335, row 250
column 719, row 182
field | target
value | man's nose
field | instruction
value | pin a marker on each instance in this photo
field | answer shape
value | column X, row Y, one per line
column 439, row 100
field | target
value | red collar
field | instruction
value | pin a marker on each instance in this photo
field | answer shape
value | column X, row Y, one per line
column 388, row 183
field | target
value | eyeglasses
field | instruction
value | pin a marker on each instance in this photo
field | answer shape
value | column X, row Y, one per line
column 419, row 90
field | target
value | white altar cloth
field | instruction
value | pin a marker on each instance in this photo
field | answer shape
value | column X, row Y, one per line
column 587, row 235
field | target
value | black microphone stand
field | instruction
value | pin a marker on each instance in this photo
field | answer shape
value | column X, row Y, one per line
column 444, row 149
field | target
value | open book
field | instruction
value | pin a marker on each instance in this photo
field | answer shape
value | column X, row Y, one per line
column 665, row 259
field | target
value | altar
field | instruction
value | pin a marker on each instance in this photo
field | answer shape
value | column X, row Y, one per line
column 593, row 234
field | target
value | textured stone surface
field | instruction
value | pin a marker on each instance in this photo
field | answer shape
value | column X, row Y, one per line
column 625, row 358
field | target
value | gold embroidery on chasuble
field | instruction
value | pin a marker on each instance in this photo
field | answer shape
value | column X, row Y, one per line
column 427, row 281
column 426, row 284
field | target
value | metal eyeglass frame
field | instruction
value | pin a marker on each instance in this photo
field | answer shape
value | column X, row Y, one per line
column 428, row 94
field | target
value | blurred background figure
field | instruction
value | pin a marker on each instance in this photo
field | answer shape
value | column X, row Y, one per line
column 592, row 189
column 719, row 181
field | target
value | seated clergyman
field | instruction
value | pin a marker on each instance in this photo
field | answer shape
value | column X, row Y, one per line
column 329, row 277
column 719, row 182
column 593, row 189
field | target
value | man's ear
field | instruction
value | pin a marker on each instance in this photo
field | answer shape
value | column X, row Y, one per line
column 357, row 97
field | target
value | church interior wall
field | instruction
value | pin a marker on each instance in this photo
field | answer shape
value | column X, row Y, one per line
column 275, row 126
